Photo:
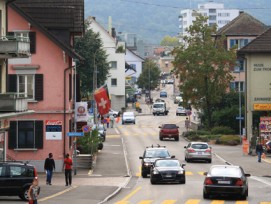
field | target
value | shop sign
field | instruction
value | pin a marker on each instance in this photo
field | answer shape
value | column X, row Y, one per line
column 53, row 129
column 81, row 111
column 265, row 127
column 262, row 106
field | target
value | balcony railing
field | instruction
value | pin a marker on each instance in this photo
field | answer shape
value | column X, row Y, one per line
column 14, row 47
column 13, row 102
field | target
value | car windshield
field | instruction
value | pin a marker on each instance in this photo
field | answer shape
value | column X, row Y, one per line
column 226, row 171
column 199, row 146
column 99, row 127
column 128, row 114
column 169, row 126
column 164, row 163
column 156, row 153
column 158, row 105
column 181, row 108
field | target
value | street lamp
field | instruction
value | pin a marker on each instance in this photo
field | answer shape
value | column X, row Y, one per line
column 94, row 85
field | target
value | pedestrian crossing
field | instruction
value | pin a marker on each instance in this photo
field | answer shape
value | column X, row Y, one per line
column 190, row 201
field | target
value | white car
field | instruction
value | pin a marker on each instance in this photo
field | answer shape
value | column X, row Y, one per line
column 128, row 117
column 181, row 111
column 114, row 113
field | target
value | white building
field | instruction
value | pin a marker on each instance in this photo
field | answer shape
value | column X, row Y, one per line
column 116, row 60
column 135, row 63
column 216, row 13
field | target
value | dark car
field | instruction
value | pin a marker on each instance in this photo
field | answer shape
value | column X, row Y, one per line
column 16, row 178
column 163, row 94
column 169, row 131
column 150, row 155
column 226, row 180
column 167, row 170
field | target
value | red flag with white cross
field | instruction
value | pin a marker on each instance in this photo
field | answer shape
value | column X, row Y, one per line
column 101, row 97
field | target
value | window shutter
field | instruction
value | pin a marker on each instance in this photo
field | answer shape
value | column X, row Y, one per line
column 32, row 38
column 39, row 134
column 12, row 135
column 70, row 87
column 12, row 83
column 39, row 87
column 78, row 93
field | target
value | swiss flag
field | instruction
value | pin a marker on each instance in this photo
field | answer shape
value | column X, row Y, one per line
column 102, row 99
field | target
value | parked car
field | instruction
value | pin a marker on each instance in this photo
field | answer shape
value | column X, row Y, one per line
column 167, row 170
column 169, row 131
column 16, row 178
column 101, row 129
column 170, row 81
column 226, row 180
column 181, row 111
column 198, row 151
column 150, row 155
column 128, row 117
column 163, row 94
column 114, row 113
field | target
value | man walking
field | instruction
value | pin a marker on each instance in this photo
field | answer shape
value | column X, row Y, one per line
column 68, row 170
column 49, row 166
column 112, row 120
column 259, row 150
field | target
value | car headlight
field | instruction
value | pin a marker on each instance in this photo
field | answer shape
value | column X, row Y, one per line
column 147, row 164
column 155, row 171
column 181, row 172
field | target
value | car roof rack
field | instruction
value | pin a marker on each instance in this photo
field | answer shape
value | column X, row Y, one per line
column 21, row 162
column 158, row 145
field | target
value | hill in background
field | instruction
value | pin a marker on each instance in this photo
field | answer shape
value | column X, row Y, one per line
column 151, row 20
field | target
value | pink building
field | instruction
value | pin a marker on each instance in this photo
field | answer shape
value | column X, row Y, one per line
column 46, row 78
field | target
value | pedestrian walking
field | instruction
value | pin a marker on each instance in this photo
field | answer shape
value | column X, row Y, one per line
column 107, row 121
column 112, row 120
column 49, row 166
column 68, row 169
column 259, row 150
column 187, row 124
column 33, row 192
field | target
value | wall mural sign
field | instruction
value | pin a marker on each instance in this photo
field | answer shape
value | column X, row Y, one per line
column 265, row 127
column 53, row 129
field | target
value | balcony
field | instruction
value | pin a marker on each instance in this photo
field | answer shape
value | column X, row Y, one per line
column 13, row 102
column 12, row 47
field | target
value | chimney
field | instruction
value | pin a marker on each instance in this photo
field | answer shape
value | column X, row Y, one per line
column 113, row 33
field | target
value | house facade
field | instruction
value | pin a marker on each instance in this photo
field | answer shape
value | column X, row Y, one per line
column 116, row 80
column 11, row 105
column 257, row 57
column 135, row 65
column 46, row 78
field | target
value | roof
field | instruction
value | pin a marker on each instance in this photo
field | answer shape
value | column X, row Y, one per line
column 261, row 44
column 243, row 25
column 30, row 9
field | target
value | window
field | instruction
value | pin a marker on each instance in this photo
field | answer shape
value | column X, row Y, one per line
column 239, row 42
column 239, row 67
column 212, row 10
column 30, row 85
column 22, row 36
column 25, row 135
column 113, row 64
column 113, row 82
column 235, row 86
column 212, row 18
column 184, row 15
column 3, row 171
column 26, row 85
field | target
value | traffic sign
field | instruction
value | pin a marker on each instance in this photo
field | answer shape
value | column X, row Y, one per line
column 75, row 134
column 86, row 128
column 239, row 118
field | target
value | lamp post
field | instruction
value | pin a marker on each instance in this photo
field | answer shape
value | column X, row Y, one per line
column 240, row 108
column 94, row 85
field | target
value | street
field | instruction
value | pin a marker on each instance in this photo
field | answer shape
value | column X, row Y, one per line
column 116, row 178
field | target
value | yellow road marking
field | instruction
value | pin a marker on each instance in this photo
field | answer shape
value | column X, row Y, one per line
column 146, row 202
column 265, row 202
column 241, row 202
column 218, row 202
column 192, row 201
column 57, row 194
column 188, row 173
column 201, row 173
column 124, row 200
column 139, row 173
column 169, row 202
column 112, row 136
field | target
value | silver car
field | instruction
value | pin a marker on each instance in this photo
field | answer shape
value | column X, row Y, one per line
column 180, row 111
column 128, row 117
column 198, row 151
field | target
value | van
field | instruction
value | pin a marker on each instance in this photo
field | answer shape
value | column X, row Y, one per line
column 159, row 108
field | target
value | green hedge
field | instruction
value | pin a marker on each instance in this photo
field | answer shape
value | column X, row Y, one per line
column 228, row 140
column 222, row 130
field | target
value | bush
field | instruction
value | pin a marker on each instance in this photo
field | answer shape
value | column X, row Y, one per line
column 228, row 140
column 222, row 130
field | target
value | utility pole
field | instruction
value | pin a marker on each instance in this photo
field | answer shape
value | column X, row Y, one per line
column 94, row 86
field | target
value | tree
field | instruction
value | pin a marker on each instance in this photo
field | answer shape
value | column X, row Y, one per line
column 90, row 47
column 150, row 76
column 170, row 41
column 203, row 65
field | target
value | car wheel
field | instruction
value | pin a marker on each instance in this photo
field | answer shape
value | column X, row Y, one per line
column 161, row 138
column 187, row 160
column 177, row 138
column 183, row 181
column 152, row 181
column 209, row 161
column 100, row 146
column 115, row 115
column 243, row 196
column 144, row 174
column 205, row 195
column 24, row 195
